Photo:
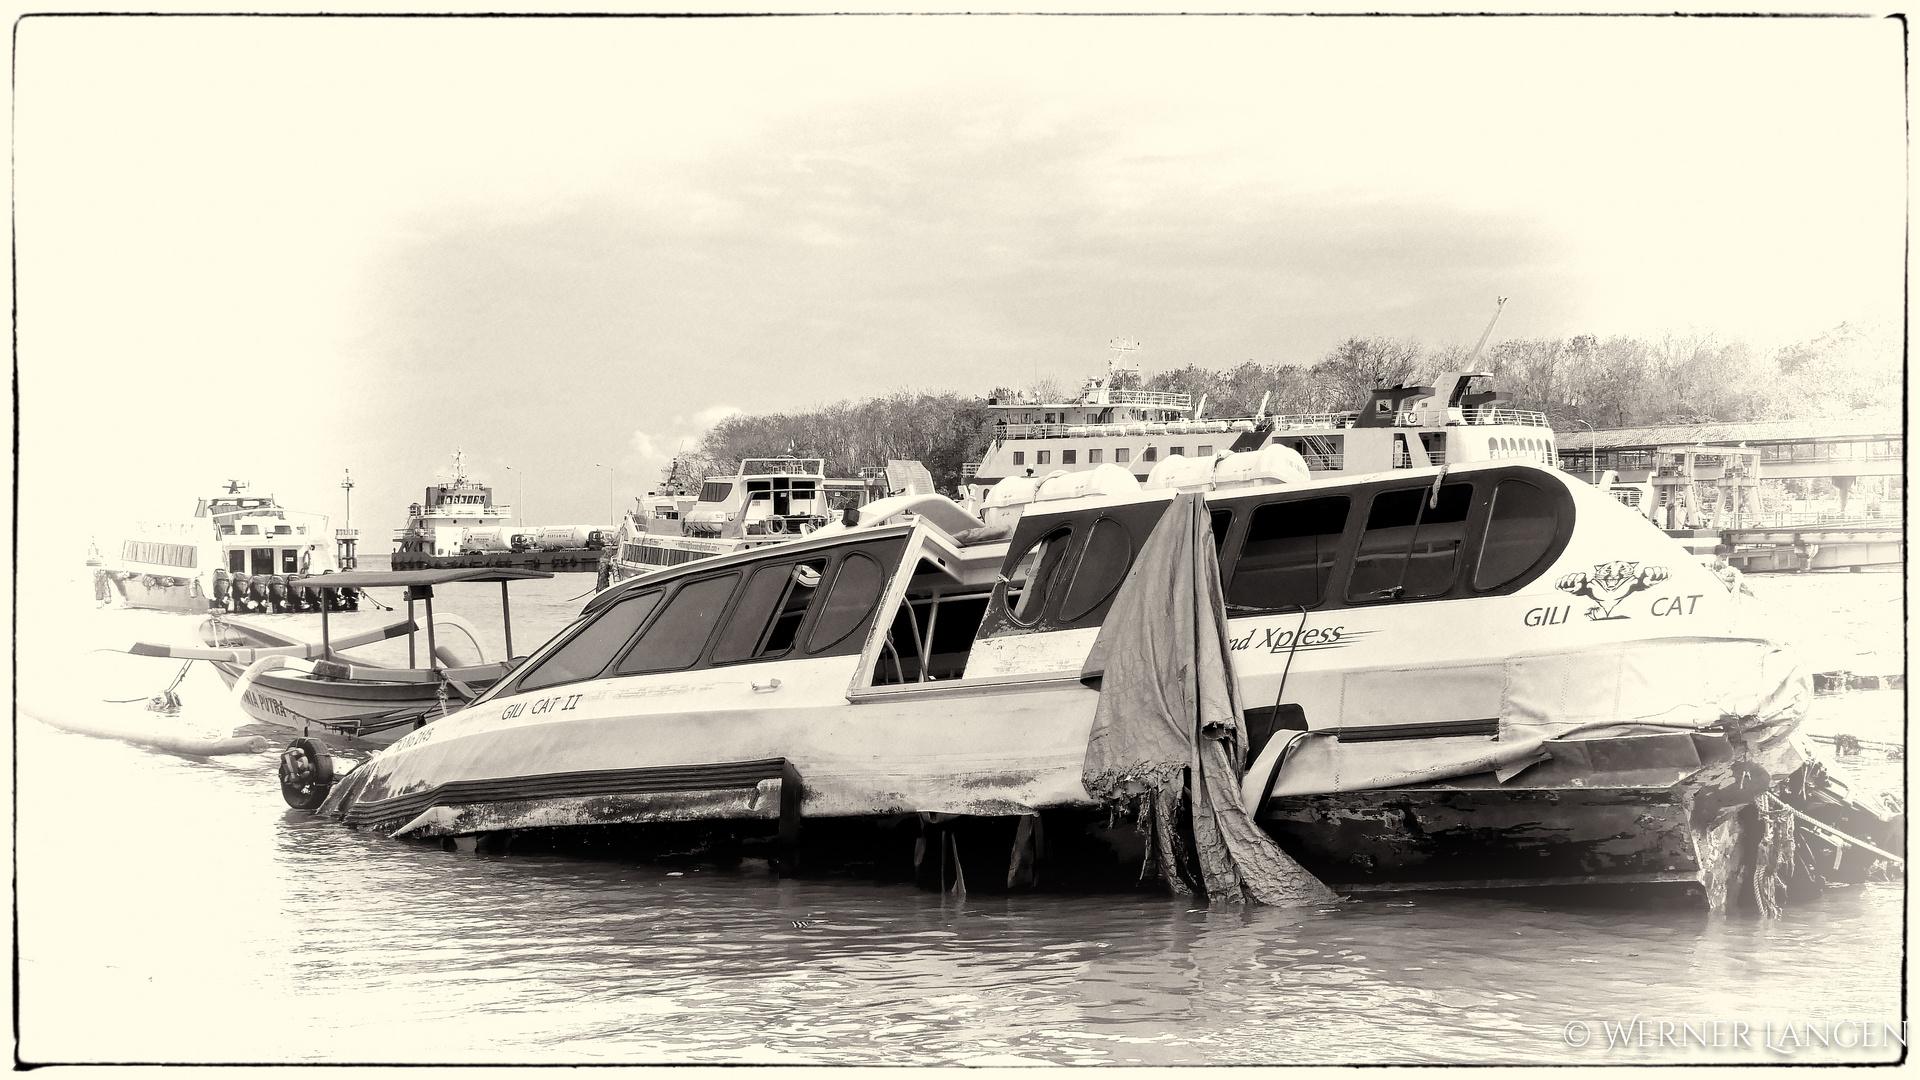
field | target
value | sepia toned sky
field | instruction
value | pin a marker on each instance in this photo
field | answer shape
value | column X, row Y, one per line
column 271, row 249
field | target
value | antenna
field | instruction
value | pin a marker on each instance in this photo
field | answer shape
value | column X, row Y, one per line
column 1499, row 302
column 1121, row 348
column 346, row 482
column 235, row 487
column 459, row 466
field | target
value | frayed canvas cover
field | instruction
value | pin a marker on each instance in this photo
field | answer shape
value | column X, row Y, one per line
column 1167, row 736
column 1755, row 690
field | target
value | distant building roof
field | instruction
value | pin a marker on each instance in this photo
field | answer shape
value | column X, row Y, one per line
column 1877, row 425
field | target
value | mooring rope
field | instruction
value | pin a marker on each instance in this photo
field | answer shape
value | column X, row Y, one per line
column 1835, row 833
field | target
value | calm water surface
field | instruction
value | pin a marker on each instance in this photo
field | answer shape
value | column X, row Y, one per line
column 173, row 909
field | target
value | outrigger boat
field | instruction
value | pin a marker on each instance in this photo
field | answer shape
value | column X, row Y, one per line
column 1478, row 675
column 308, row 687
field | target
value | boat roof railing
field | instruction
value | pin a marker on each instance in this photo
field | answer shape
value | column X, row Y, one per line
column 375, row 579
column 781, row 466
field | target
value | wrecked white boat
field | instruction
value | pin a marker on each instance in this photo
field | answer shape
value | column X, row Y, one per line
column 1480, row 675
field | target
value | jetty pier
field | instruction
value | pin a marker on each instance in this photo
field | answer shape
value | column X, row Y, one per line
column 1807, row 494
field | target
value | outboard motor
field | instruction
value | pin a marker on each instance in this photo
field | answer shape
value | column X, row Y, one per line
column 349, row 599
column 222, row 587
column 257, row 594
column 240, row 596
column 277, row 597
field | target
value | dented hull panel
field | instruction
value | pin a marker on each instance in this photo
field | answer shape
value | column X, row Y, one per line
column 1469, row 837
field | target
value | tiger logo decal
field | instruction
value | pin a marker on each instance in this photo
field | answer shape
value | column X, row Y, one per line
column 1610, row 583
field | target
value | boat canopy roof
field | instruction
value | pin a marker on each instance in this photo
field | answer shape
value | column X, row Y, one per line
column 374, row 579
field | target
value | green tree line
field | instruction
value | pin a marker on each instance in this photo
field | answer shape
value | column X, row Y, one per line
column 1576, row 381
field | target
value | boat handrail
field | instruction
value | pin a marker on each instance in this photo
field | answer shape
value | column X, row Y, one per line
column 1520, row 417
column 1151, row 398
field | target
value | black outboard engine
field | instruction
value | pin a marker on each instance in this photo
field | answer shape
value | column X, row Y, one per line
column 222, row 587
column 257, row 593
column 277, row 597
column 241, row 596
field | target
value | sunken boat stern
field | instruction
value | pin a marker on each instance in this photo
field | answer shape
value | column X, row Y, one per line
column 1664, row 811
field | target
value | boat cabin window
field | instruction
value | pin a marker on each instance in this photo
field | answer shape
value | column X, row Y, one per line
column 930, row 638
column 1043, row 457
column 1152, row 454
column 856, row 590
column 1520, row 529
column 1287, row 556
column 1176, row 451
column 767, row 619
column 679, row 635
column 1122, row 455
column 249, row 530
column 1222, row 521
column 289, row 561
column 1067, row 456
column 236, row 561
column 590, row 649
column 1094, row 456
column 1410, row 549
column 1019, row 457
column 715, row 491
column 262, row 561
column 1103, row 566
column 1038, row 567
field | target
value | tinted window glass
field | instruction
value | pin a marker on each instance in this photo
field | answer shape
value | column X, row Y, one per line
column 715, row 492
column 1519, row 530
column 1287, row 556
column 1039, row 568
column 856, row 590
column 1222, row 521
column 768, row 615
column 587, row 653
column 675, row 639
column 1103, row 565
column 1398, row 560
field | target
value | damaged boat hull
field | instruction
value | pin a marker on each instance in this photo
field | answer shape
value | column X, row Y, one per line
column 1650, row 809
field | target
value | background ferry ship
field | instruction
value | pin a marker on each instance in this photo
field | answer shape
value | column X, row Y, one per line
column 1457, row 419
column 458, row 525
column 236, row 554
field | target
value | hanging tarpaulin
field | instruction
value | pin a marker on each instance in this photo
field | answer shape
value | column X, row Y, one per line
column 1167, row 736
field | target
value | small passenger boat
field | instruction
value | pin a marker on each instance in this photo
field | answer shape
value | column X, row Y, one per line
column 1475, row 675
column 766, row 501
column 308, row 687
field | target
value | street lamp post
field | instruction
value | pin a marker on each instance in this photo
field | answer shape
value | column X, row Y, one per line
column 519, row 504
column 609, row 469
column 1593, row 453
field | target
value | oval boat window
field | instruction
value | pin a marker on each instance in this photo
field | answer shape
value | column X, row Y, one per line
column 1520, row 529
column 855, row 593
column 1039, row 566
column 1103, row 566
